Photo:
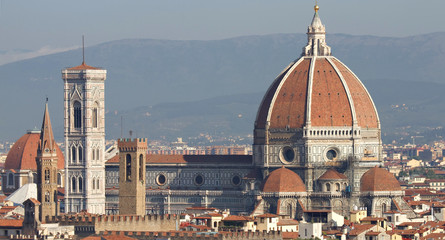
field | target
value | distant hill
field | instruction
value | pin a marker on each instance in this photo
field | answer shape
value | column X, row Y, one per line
column 147, row 72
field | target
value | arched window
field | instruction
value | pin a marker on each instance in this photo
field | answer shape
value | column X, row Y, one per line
column 97, row 154
column 80, row 154
column 383, row 207
column 141, row 167
column 10, row 179
column 77, row 115
column 47, row 197
column 337, row 187
column 73, row 184
column 94, row 183
column 94, row 154
column 128, row 167
column 328, row 187
column 47, row 176
column 95, row 116
column 97, row 183
column 73, row 154
column 290, row 211
column 80, row 184
column 59, row 179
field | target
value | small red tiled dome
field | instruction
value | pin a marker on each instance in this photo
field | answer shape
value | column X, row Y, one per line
column 283, row 180
column 378, row 179
column 332, row 174
column 22, row 155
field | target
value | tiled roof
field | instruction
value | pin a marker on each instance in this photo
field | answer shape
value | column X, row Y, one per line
column 15, row 223
column 193, row 159
column 378, row 179
column 285, row 102
column 360, row 228
column 83, row 66
column 332, row 174
column 237, row 218
column 23, row 153
column 283, row 180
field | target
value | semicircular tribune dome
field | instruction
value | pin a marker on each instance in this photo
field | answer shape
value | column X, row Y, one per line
column 377, row 180
column 283, row 180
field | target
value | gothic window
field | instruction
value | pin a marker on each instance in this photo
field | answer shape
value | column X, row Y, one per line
column 97, row 154
column 95, row 116
column 73, row 154
column 47, row 176
column 80, row 154
column 80, row 184
column 73, row 184
column 94, row 154
column 141, row 167
column 97, row 183
column 10, row 179
column 47, row 198
column 128, row 167
column 77, row 115
column 94, row 183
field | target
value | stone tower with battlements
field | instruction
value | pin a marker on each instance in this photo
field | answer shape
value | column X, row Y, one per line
column 84, row 112
column 47, row 170
column 132, row 155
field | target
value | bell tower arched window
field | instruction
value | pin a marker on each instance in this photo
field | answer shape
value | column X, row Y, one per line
column 73, row 184
column 95, row 114
column 128, row 167
column 80, row 154
column 47, row 176
column 73, row 154
column 77, row 115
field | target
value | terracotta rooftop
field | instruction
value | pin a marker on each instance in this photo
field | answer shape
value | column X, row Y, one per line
column 332, row 174
column 14, row 223
column 378, row 179
column 283, row 180
column 285, row 102
column 83, row 66
column 238, row 218
column 287, row 222
column 23, row 153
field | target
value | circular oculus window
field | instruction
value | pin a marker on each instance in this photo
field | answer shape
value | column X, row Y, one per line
column 331, row 154
column 236, row 180
column 161, row 179
column 287, row 154
column 199, row 180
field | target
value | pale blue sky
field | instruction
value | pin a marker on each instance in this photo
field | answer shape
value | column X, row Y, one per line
column 31, row 24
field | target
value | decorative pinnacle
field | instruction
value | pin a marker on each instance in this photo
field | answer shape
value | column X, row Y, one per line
column 316, row 7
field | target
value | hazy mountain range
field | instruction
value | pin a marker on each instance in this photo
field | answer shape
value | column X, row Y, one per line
column 165, row 88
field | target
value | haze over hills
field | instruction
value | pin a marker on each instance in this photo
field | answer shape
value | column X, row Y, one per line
column 183, row 88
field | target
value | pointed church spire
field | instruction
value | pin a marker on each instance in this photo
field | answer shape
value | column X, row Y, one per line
column 316, row 34
column 46, row 136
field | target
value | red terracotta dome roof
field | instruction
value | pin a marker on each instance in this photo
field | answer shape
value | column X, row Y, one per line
column 331, row 96
column 283, row 180
column 378, row 179
column 22, row 155
column 332, row 174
